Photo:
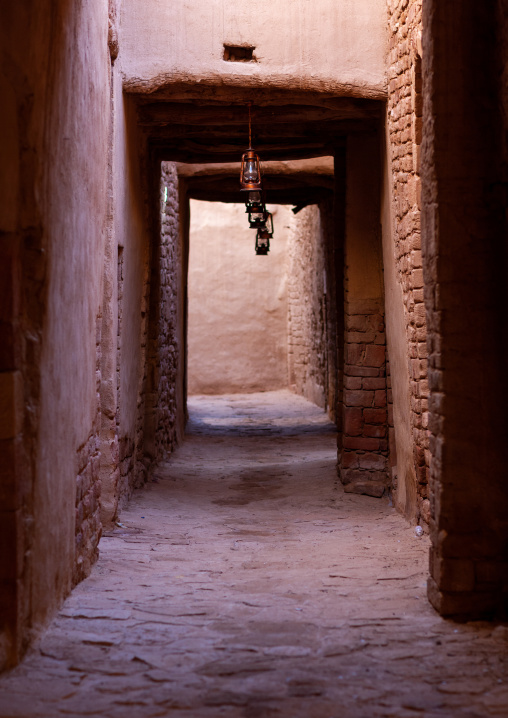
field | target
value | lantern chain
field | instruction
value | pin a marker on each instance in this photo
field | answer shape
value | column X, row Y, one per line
column 250, row 125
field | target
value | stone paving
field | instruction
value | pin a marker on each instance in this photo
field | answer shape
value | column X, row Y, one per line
column 243, row 582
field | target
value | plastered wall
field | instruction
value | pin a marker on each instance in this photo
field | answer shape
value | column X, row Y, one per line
column 237, row 327
column 56, row 118
column 335, row 46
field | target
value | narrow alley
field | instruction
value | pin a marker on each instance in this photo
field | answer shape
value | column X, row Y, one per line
column 243, row 582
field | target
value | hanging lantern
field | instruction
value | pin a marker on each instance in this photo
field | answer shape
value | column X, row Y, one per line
column 257, row 220
column 254, row 202
column 262, row 241
column 268, row 228
column 250, row 172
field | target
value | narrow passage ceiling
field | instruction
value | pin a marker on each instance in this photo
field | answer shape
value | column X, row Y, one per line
column 198, row 126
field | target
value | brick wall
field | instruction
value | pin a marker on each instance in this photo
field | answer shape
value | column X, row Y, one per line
column 405, row 132
column 364, row 456
column 363, row 442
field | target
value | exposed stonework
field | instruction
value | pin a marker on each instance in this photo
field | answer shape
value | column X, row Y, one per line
column 168, row 340
column 88, row 526
column 307, row 341
column 88, row 523
column 405, row 108
column 133, row 465
column 165, row 349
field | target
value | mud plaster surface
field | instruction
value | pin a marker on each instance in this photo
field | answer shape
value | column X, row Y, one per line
column 244, row 582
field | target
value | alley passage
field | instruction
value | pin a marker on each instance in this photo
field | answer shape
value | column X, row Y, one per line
column 244, row 582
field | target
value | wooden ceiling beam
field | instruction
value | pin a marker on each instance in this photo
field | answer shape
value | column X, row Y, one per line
column 191, row 114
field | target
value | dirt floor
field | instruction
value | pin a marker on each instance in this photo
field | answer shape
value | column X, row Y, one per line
column 243, row 582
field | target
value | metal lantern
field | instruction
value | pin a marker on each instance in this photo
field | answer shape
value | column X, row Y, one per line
column 250, row 173
column 268, row 228
column 254, row 202
column 257, row 220
column 262, row 241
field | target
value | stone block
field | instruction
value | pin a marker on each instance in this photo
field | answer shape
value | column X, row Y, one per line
column 358, row 398
column 357, row 322
column 355, row 354
column 375, row 416
column 362, row 337
column 361, row 443
column 375, row 431
column 375, row 355
column 349, row 460
column 374, row 383
column 360, row 371
column 353, row 421
column 372, row 461
column 367, row 488
column 353, row 382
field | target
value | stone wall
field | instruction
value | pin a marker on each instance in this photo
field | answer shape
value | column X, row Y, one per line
column 307, row 294
column 166, row 346
column 404, row 125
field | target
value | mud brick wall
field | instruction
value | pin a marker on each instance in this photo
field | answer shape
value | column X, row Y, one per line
column 133, row 463
column 307, row 342
column 88, row 523
column 364, row 456
column 405, row 107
